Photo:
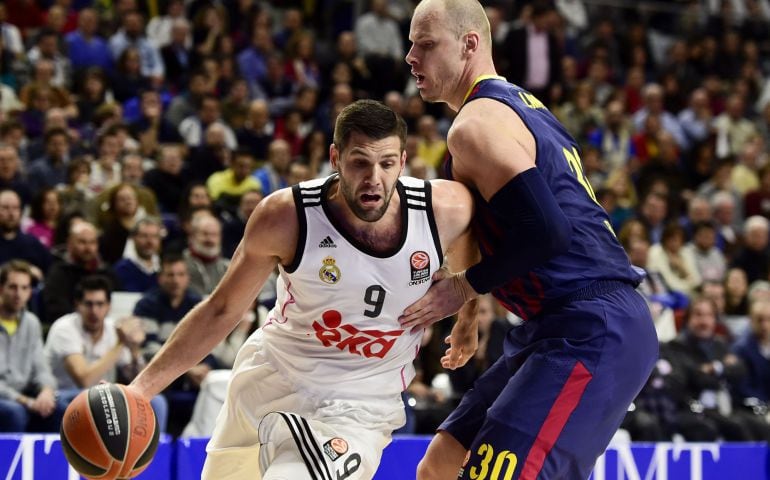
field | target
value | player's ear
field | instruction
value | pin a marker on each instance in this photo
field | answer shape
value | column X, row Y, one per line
column 471, row 42
column 334, row 157
column 403, row 161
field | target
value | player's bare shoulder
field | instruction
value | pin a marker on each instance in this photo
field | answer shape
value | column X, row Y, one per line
column 452, row 208
column 273, row 227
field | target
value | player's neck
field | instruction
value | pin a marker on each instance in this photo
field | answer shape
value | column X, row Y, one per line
column 382, row 235
column 468, row 79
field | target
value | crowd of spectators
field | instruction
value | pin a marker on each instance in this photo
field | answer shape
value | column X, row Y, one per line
column 136, row 137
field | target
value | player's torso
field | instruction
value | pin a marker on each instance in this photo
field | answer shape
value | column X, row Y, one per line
column 335, row 321
column 594, row 251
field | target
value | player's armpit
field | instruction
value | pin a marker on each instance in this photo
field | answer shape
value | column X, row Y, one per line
column 453, row 210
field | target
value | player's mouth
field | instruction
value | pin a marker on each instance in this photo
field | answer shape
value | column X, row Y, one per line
column 369, row 199
column 420, row 79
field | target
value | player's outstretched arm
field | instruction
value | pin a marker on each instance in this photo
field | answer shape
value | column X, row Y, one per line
column 270, row 238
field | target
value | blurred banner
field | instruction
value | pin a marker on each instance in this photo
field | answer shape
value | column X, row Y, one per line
column 39, row 457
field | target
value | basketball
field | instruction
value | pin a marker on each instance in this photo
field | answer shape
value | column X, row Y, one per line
column 108, row 432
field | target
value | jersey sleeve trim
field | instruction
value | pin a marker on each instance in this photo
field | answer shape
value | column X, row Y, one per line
column 299, row 204
column 432, row 220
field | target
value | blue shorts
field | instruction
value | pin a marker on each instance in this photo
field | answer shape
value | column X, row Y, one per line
column 548, row 408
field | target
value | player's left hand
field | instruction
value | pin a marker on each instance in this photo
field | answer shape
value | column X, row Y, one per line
column 463, row 342
column 444, row 298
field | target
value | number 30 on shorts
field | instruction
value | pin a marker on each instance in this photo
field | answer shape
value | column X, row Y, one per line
column 502, row 464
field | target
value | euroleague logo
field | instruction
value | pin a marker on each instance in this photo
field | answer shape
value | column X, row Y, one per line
column 335, row 448
column 419, row 262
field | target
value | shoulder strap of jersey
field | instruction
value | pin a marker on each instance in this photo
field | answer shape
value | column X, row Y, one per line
column 306, row 194
column 417, row 194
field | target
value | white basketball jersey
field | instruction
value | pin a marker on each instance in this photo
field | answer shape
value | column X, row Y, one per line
column 335, row 327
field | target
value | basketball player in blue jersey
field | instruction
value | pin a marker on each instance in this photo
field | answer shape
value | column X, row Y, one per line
column 550, row 406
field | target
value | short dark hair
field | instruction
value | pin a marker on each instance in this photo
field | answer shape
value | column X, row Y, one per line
column 17, row 266
column 244, row 152
column 52, row 132
column 149, row 220
column 698, row 226
column 170, row 258
column 93, row 283
column 368, row 117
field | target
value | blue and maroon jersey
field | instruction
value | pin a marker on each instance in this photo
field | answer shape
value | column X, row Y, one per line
column 594, row 252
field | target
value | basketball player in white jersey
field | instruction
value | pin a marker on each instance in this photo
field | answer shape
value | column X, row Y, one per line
column 318, row 387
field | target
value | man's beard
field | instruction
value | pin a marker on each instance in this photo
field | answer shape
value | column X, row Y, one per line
column 210, row 252
column 9, row 227
column 366, row 215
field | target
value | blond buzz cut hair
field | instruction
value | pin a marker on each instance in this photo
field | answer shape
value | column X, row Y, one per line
column 464, row 16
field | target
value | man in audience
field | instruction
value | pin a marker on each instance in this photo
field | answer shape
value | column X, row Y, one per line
column 151, row 128
column 27, row 385
column 81, row 259
column 753, row 394
column 227, row 186
column 257, row 133
column 14, row 243
column 164, row 305
column 204, row 254
column 272, row 176
column 709, row 371
column 51, row 169
column 193, row 127
column 167, row 180
column 86, row 47
column 753, row 257
column 137, row 270
column 234, row 225
column 132, row 35
column 87, row 346
column 10, row 173
column 710, row 261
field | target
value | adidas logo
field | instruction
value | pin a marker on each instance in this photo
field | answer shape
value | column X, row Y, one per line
column 327, row 243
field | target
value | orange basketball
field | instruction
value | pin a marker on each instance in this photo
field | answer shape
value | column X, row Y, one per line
column 108, row 432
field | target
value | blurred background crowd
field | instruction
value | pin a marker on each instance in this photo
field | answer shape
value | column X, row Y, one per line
column 136, row 137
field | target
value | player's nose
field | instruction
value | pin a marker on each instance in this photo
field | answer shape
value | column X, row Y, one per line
column 410, row 56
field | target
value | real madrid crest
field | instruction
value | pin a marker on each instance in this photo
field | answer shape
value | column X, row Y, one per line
column 329, row 273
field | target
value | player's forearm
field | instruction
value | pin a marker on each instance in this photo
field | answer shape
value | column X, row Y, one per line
column 195, row 336
column 536, row 230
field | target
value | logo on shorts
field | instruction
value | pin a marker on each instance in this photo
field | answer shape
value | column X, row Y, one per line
column 329, row 273
column 420, row 264
column 366, row 343
column 335, row 448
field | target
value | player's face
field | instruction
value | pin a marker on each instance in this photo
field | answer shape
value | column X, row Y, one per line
column 368, row 172
column 436, row 56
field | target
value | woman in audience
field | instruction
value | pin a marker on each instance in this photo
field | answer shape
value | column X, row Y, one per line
column 123, row 213
column 675, row 265
column 45, row 211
